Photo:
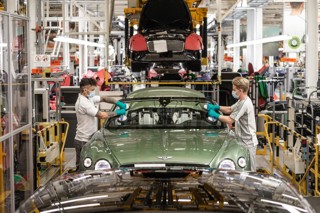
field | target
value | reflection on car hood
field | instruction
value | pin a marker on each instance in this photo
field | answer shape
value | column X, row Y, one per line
column 166, row 146
column 164, row 14
column 219, row 191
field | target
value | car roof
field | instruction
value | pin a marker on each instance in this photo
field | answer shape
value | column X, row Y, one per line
column 173, row 14
column 165, row 92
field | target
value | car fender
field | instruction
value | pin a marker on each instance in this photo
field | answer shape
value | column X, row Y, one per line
column 96, row 149
column 232, row 149
column 193, row 42
column 138, row 43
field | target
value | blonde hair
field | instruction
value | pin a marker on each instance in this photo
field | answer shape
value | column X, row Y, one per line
column 241, row 83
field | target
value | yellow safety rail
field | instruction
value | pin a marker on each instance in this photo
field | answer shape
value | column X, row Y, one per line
column 48, row 132
column 316, row 163
column 299, row 181
column 2, row 190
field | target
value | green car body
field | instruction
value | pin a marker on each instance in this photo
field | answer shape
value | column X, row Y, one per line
column 165, row 128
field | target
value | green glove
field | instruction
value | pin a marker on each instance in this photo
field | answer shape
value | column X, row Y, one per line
column 120, row 111
column 214, row 114
column 213, row 107
column 121, row 105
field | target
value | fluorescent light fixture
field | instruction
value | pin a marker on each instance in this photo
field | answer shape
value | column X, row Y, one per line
column 261, row 41
column 3, row 44
column 79, row 199
column 78, row 41
column 71, row 207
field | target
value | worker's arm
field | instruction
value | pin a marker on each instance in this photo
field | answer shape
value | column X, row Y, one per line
column 226, row 119
column 226, row 109
column 107, row 99
column 222, row 118
column 105, row 115
column 110, row 100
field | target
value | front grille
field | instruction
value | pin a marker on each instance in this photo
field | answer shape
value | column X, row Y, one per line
column 172, row 45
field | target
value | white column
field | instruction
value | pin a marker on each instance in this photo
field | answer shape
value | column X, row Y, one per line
column 102, row 51
column 32, row 25
column 259, row 35
column 220, row 51
column 91, row 49
column 311, row 47
column 236, row 50
column 66, row 49
column 107, row 21
column 81, row 48
column 254, row 32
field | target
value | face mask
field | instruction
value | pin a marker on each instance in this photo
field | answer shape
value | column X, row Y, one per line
column 234, row 94
column 91, row 95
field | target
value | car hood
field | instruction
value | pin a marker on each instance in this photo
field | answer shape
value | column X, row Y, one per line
column 176, row 15
column 164, row 146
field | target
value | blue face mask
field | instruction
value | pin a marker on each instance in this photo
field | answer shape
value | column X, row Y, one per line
column 92, row 94
column 234, row 94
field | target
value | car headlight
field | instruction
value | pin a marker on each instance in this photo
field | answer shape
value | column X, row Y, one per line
column 227, row 164
column 242, row 162
column 87, row 162
column 102, row 165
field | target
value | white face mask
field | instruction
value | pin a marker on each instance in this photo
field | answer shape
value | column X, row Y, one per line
column 234, row 94
column 91, row 94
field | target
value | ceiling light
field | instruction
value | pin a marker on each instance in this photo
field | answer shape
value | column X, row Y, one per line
column 261, row 41
column 78, row 41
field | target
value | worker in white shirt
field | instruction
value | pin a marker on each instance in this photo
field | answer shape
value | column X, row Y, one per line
column 242, row 113
column 87, row 113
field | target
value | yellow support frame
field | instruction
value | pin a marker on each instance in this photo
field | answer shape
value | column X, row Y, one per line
column 313, row 167
column 54, row 128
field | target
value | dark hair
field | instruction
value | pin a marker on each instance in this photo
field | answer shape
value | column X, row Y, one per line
column 295, row 4
column 87, row 82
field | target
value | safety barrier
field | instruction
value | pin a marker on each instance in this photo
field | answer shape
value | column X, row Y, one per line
column 50, row 142
column 291, row 162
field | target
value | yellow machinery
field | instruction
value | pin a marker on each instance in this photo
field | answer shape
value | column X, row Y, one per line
column 290, row 162
column 51, row 139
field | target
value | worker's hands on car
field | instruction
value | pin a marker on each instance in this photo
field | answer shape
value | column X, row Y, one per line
column 120, row 111
column 121, row 105
column 103, row 115
column 213, row 107
column 214, row 114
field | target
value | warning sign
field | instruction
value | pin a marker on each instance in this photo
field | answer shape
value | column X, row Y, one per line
column 42, row 60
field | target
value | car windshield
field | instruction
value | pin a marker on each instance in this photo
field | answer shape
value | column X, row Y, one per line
column 173, row 113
